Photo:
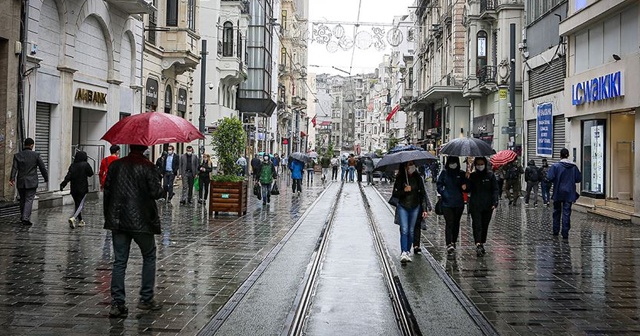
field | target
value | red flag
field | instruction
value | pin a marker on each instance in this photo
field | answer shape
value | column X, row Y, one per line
column 313, row 121
column 393, row 112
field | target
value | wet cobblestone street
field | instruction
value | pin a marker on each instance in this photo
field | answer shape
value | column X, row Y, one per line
column 531, row 283
column 56, row 280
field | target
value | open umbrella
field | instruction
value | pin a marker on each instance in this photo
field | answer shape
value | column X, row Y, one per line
column 152, row 128
column 393, row 160
column 503, row 157
column 371, row 155
column 300, row 156
column 405, row 148
column 467, row 147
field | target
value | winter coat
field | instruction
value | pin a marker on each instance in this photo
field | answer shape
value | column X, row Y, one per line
column 296, row 168
column 484, row 191
column 23, row 170
column 368, row 165
column 78, row 173
column 267, row 179
column 161, row 164
column 564, row 175
column 206, row 174
column 416, row 197
column 449, row 186
column 530, row 171
column 544, row 171
column 130, row 193
column 184, row 159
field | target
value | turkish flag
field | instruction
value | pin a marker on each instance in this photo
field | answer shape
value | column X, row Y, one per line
column 395, row 109
column 313, row 121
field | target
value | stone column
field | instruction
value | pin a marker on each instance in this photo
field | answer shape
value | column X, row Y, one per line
column 62, row 127
column 635, row 219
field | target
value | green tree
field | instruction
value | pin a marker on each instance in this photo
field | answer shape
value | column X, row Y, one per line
column 228, row 141
column 393, row 141
column 330, row 150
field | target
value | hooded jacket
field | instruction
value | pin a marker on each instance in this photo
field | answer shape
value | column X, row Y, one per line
column 78, row 173
column 484, row 190
column 450, row 183
column 296, row 168
column 130, row 193
column 564, row 175
column 530, row 170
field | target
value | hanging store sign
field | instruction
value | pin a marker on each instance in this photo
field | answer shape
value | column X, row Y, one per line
column 597, row 89
column 89, row 96
column 151, row 92
column 544, row 133
column 182, row 100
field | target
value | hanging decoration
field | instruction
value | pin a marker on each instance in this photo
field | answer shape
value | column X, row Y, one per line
column 335, row 36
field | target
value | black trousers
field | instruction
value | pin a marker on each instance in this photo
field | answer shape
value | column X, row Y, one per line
column 203, row 191
column 77, row 199
column 480, row 220
column 359, row 173
column 452, row 218
column 27, row 195
column 334, row 173
column 296, row 184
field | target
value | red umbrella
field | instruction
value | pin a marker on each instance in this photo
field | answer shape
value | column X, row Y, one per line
column 503, row 157
column 152, row 128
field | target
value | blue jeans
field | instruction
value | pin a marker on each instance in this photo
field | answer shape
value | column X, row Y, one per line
column 343, row 174
column 546, row 191
column 562, row 209
column 310, row 174
column 121, row 247
column 408, row 218
column 352, row 171
column 266, row 192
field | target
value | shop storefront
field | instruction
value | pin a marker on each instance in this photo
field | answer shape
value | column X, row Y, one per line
column 483, row 127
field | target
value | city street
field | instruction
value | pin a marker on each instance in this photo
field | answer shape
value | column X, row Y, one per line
column 55, row 280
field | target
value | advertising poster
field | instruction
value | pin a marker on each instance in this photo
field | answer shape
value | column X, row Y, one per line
column 597, row 158
column 544, row 133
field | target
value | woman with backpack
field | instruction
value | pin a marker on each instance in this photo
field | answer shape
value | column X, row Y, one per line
column 483, row 199
column 451, row 184
column 78, row 173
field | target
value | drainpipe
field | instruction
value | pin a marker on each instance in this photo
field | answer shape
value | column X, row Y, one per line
column 512, row 86
column 24, row 29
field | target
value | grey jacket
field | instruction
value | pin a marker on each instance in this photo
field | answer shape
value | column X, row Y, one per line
column 194, row 164
column 23, row 170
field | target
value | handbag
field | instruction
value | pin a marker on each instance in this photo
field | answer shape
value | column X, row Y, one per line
column 275, row 190
column 257, row 191
column 438, row 207
column 393, row 201
column 196, row 183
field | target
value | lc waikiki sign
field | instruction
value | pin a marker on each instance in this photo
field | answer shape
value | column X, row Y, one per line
column 600, row 88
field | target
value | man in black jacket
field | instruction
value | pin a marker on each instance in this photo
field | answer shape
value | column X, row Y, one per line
column 130, row 212
column 23, row 171
column 168, row 165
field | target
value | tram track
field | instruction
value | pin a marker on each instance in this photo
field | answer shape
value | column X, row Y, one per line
column 300, row 312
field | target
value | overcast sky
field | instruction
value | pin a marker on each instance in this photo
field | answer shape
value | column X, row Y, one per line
column 347, row 10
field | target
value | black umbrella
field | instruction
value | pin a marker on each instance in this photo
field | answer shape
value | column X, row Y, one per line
column 405, row 148
column 467, row 147
column 300, row 156
column 371, row 155
column 395, row 159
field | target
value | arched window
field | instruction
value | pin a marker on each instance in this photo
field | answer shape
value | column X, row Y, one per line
column 227, row 39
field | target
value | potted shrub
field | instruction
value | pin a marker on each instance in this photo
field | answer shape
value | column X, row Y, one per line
column 228, row 190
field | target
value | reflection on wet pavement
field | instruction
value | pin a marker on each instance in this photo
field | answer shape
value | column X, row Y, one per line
column 56, row 280
column 532, row 283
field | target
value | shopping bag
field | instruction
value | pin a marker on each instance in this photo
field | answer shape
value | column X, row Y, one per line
column 275, row 190
column 438, row 207
column 196, row 183
column 257, row 191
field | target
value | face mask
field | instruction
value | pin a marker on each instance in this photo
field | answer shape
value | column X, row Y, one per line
column 411, row 169
column 189, row 153
column 266, row 158
column 453, row 166
column 480, row 168
column 170, row 152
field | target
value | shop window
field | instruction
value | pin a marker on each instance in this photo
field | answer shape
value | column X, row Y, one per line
column 593, row 158
column 172, row 13
column 227, row 39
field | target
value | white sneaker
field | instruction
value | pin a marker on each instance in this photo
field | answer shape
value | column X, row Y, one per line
column 81, row 223
column 408, row 257
column 404, row 257
column 72, row 222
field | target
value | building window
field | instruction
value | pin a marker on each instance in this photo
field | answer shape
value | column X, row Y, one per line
column 153, row 23
column 240, row 45
column 227, row 39
column 593, row 158
column 410, row 78
column 191, row 15
column 172, row 13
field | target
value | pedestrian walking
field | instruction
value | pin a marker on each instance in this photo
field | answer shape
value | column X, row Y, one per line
column 564, row 175
column 335, row 164
column 512, row 172
column 411, row 195
column 499, row 174
column 310, row 172
column 435, row 169
column 266, row 174
column 24, row 176
column 325, row 163
column 296, row 168
column 352, row 167
column 255, row 165
column 276, row 160
column 483, row 199
column 359, row 167
column 451, row 184
column 104, row 164
column 418, row 224
column 368, row 169
column 79, row 171
column 204, row 178
column 188, row 168
column 242, row 162
column 545, row 184
column 169, row 167
column 532, row 178
column 284, row 162
column 130, row 190
column 344, row 163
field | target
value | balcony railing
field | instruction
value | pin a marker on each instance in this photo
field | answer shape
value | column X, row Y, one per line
column 487, row 74
column 488, row 5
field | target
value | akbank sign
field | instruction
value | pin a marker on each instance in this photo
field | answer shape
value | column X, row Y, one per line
column 600, row 88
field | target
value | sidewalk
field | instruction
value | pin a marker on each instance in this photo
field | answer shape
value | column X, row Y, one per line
column 532, row 283
column 56, row 280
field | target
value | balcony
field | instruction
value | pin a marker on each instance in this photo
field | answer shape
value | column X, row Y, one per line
column 487, row 75
column 133, row 6
column 178, row 48
column 488, row 8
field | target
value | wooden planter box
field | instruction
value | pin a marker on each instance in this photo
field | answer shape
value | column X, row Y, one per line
column 228, row 197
